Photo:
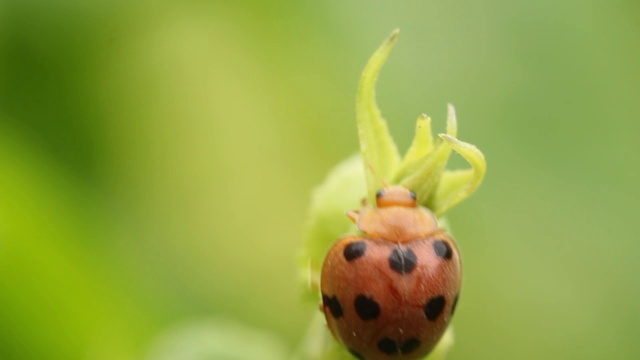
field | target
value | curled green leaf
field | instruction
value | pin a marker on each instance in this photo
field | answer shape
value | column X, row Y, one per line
column 458, row 185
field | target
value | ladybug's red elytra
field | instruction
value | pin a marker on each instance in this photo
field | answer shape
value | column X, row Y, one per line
column 391, row 292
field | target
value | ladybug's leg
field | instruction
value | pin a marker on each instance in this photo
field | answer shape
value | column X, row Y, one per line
column 353, row 215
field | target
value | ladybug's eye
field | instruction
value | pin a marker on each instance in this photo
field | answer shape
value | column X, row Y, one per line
column 413, row 195
column 379, row 194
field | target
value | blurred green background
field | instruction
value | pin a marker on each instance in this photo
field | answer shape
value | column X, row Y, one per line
column 157, row 159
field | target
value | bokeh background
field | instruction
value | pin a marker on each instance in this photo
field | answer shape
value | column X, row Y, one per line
column 157, row 159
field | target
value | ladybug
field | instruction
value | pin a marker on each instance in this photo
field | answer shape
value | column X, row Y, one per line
column 391, row 293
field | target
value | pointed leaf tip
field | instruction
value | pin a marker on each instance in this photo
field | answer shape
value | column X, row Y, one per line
column 394, row 34
column 452, row 120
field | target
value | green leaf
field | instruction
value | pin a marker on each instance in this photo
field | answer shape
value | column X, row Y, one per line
column 379, row 152
column 456, row 186
column 452, row 121
column 423, row 140
column 319, row 344
column 218, row 339
column 442, row 349
column 342, row 190
column 421, row 147
column 424, row 178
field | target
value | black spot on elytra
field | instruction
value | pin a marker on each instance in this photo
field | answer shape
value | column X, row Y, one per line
column 366, row 307
column 354, row 250
column 442, row 249
column 390, row 347
column 356, row 354
column 410, row 345
column 334, row 305
column 387, row 346
column 434, row 307
column 455, row 302
column 402, row 259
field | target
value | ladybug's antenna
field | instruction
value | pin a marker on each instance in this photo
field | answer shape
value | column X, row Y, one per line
column 375, row 174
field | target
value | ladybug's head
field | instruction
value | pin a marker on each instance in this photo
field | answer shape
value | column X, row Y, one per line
column 395, row 196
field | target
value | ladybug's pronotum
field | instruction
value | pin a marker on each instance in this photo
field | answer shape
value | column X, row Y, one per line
column 391, row 292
